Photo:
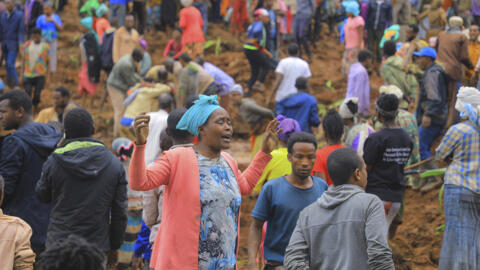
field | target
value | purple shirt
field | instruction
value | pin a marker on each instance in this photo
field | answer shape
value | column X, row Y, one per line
column 219, row 76
column 476, row 7
column 359, row 86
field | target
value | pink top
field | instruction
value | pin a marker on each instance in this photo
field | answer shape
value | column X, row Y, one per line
column 176, row 244
column 171, row 46
column 102, row 25
column 351, row 32
column 191, row 22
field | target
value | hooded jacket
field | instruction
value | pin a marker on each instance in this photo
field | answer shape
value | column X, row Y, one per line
column 344, row 214
column 88, row 189
column 23, row 155
column 302, row 107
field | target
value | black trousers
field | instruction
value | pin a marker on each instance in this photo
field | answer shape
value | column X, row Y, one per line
column 140, row 13
column 259, row 65
column 35, row 84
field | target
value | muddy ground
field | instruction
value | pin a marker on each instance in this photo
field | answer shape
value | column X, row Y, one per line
column 417, row 243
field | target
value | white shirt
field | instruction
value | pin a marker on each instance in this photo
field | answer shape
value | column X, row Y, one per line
column 158, row 122
column 291, row 68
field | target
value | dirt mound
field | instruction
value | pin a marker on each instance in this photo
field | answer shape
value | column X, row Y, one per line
column 417, row 243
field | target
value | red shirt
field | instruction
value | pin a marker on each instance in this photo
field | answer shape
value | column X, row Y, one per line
column 321, row 162
column 191, row 22
column 174, row 47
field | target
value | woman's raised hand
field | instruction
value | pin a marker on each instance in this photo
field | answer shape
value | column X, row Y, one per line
column 270, row 133
column 140, row 127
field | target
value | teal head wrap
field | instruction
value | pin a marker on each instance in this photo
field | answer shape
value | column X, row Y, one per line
column 198, row 114
column 101, row 10
column 352, row 7
column 87, row 22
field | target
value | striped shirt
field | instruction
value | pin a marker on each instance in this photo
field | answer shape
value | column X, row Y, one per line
column 463, row 141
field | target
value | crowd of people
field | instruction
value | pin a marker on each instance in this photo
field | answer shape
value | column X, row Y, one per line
column 330, row 186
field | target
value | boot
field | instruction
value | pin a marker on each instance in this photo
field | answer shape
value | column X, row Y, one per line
column 432, row 182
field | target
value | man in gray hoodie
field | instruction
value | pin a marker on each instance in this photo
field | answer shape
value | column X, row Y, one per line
column 345, row 228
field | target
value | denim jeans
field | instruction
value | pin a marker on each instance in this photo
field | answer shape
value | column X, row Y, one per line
column 426, row 138
column 10, row 58
column 461, row 240
column 300, row 28
column 118, row 12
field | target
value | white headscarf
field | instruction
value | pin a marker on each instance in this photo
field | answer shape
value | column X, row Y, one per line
column 468, row 103
column 391, row 89
column 344, row 111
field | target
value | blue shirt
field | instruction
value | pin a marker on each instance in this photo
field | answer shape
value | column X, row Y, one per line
column 119, row 2
column 49, row 30
column 280, row 204
column 257, row 30
column 12, row 29
column 301, row 107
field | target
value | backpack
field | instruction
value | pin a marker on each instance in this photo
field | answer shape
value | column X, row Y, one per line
column 107, row 52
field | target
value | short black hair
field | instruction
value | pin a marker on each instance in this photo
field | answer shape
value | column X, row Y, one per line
column 200, row 60
column 72, row 253
column 352, row 106
column 301, row 83
column 364, row 55
column 166, row 142
column 165, row 100
column 293, row 49
column 341, row 164
column 333, row 125
column 162, row 75
column 18, row 99
column 172, row 121
column 63, row 91
column 389, row 48
column 302, row 137
column 388, row 103
column 185, row 57
column 414, row 28
column 137, row 54
column 78, row 123
column 190, row 101
column 35, row 31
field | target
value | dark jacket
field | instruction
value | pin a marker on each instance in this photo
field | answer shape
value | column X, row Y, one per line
column 22, row 158
column 12, row 30
column 433, row 96
column 302, row 107
column 107, row 51
column 87, row 187
column 378, row 17
column 93, row 57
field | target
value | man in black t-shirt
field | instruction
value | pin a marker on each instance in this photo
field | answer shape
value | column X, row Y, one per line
column 386, row 152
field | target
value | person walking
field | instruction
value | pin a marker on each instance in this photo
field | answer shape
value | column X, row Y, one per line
column 23, row 155
column 191, row 23
column 286, row 74
column 118, row 10
column 89, row 76
column 124, row 75
column 301, row 22
column 50, row 24
column 353, row 29
column 35, row 58
column 461, row 201
column 12, row 31
column 281, row 201
column 432, row 109
column 86, row 185
column 210, row 227
column 379, row 15
column 358, row 84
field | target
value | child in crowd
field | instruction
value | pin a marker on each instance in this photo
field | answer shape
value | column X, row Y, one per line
column 174, row 46
column 344, row 214
column 386, row 152
column 333, row 130
column 35, row 65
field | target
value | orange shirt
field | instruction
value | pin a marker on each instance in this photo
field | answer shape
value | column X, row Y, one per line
column 191, row 22
column 473, row 53
column 321, row 162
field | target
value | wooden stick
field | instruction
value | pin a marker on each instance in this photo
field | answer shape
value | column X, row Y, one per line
column 419, row 163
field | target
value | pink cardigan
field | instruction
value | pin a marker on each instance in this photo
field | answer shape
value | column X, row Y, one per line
column 176, row 244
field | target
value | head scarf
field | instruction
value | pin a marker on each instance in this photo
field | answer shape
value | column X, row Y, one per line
column 87, row 22
column 391, row 89
column 236, row 88
column 198, row 114
column 455, row 21
column 351, row 7
column 261, row 12
column 289, row 127
column 344, row 111
column 143, row 43
column 186, row 3
column 468, row 104
column 101, row 10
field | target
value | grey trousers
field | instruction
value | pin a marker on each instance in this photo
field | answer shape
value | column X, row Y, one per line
column 118, row 12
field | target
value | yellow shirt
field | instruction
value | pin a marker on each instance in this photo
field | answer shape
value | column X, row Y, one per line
column 146, row 100
column 277, row 167
column 473, row 53
column 50, row 115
